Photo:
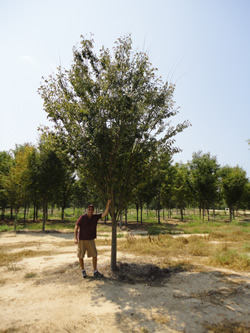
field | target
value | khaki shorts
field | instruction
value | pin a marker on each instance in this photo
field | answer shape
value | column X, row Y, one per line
column 86, row 245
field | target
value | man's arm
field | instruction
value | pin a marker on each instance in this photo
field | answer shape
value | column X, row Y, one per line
column 105, row 213
column 75, row 233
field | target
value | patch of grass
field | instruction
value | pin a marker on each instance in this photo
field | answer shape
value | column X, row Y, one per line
column 198, row 247
column 154, row 230
column 13, row 267
column 103, row 242
column 229, row 236
column 30, row 275
column 246, row 247
column 160, row 318
column 166, row 245
column 9, row 258
column 2, row 282
column 227, row 327
column 5, row 227
column 230, row 258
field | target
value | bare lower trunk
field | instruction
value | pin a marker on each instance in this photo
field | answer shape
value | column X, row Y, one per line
column 121, row 221
column 181, row 214
column 15, row 221
column 141, row 213
column 126, row 216
column 62, row 213
column 137, row 215
column 114, row 235
column 44, row 213
column 114, row 241
column 2, row 215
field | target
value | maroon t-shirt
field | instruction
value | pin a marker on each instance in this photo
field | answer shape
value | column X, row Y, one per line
column 88, row 226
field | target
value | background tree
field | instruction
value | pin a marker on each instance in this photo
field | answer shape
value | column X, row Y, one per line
column 17, row 181
column 49, row 171
column 6, row 162
column 181, row 187
column 109, row 111
column 233, row 181
column 204, row 180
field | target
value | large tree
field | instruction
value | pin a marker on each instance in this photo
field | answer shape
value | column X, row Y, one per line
column 204, row 172
column 233, row 181
column 181, row 186
column 112, row 111
column 6, row 162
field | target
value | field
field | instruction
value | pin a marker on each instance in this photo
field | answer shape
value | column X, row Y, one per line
column 172, row 277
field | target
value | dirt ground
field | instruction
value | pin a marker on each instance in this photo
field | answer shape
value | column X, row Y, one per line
column 41, row 289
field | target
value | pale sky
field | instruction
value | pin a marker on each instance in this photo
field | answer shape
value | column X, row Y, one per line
column 202, row 46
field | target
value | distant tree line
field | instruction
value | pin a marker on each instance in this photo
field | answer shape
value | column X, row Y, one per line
column 36, row 177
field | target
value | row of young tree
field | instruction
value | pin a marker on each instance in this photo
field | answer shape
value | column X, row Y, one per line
column 35, row 177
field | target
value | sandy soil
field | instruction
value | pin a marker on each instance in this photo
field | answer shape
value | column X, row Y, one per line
column 46, row 293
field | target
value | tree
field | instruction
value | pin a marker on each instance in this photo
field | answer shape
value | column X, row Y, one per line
column 110, row 111
column 181, row 187
column 6, row 162
column 49, row 173
column 204, row 180
column 17, row 181
column 233, row 182
column 246, row 197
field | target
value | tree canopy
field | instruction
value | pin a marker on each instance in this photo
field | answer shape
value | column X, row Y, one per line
column 112, row 112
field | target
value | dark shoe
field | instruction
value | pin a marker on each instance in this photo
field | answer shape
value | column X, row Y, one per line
column 84, row 275
column 98, row 274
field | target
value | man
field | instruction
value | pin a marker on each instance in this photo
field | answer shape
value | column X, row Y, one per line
column 85, row 233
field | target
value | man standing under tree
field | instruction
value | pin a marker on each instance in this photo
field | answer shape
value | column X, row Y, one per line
column 85, row 234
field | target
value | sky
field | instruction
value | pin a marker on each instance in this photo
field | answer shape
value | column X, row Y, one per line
column 202, row 46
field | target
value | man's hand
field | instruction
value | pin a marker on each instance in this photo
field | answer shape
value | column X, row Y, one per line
column 75, row 240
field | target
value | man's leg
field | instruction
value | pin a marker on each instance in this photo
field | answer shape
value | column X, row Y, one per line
column 94, row 260
column 81, row 262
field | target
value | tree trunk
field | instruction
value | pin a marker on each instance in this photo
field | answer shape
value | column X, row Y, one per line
column 114, row 238
column 2, row 215
column 15, row 221
column 34, row 212
column 121, row 221
column 159, row 216
column 181, row 214
column 24, row 215
column 11, row 213
column 62, row 213
column 126, row 216
column 44, row 213
column 163, row 212
column 208, row 214
column 141, row 211
column 231, row 214
column 137, row 215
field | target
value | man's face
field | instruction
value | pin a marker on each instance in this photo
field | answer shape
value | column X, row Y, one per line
column 90, row 211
